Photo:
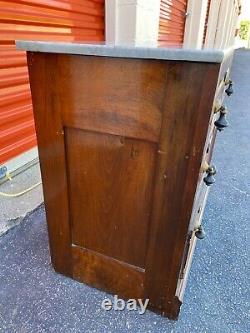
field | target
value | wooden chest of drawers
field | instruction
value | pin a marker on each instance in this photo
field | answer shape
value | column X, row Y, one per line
column 125, row 143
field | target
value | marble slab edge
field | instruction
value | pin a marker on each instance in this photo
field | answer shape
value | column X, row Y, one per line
column 105, row 50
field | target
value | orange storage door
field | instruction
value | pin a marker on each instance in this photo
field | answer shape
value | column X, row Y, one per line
column 55, row 20
column 172, row 22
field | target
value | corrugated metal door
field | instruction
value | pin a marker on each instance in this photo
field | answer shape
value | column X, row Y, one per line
column 172, row 22
column 59, row 20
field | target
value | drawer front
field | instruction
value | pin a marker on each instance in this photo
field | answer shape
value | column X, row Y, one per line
column 220, row 95
column 202, row 189
column 199, row 205
column 225, row 70
column 195, row 222
column 182, row 282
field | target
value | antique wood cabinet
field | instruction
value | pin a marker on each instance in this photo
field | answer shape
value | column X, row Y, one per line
column 125, row 138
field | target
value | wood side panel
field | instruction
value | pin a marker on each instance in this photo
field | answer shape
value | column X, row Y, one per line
column 112, row 95
column 110, row 185
column 50, row 137
column 107, row 274
column 121, row 143
column 185, row 121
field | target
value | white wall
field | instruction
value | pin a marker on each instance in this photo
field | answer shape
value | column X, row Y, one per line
column 245, row 12
column 195, row 23
column 222, row 23
column 133, row 22
column 136, row 22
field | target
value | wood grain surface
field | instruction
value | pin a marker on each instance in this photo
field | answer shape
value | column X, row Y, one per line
column 121, row 142
column 110, row 187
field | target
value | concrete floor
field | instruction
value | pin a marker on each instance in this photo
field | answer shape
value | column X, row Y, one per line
column 35, row 299
column 13, row 210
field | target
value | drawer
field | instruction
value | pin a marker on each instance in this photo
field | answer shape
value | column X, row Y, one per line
column 182, row 281
column 209, row 146
column 202, row 190
column 195, row 222
column 220, row 94
column 207, row 155
column 211, row 134
column 225, row 70
column 197, row 214
column 199, row 205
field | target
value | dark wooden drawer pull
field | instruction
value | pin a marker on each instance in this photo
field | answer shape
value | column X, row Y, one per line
column 229, row 91
column 209, row 179
column 222, row 122
column 200, row 233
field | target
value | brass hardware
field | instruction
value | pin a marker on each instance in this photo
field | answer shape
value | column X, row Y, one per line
column 204, row 166
column 217, row 106
column 209, row 179
column 228, row 81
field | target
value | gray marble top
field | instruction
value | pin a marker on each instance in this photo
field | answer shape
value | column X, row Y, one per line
column 122, row 51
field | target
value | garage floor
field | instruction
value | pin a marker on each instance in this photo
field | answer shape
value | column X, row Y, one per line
column 13, row 210
column 35, row 299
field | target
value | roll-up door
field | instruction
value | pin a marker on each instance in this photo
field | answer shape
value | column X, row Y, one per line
column 172, row 22
column 57, row 20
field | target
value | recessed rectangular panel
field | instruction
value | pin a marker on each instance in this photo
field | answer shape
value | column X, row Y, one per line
column 110, row 186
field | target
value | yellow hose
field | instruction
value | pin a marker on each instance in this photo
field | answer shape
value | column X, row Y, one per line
column 18, row 194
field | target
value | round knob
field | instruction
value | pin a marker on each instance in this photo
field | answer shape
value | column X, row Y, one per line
column 209, row 179
column 229, row 91
column 200, row 233
column 222, row 122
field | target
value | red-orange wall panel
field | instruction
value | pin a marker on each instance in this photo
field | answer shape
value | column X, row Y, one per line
column 172, row 22
column 51, row 20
